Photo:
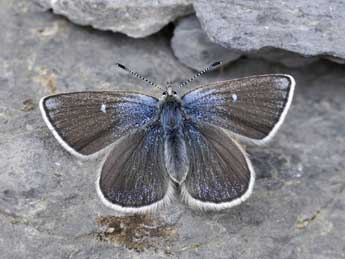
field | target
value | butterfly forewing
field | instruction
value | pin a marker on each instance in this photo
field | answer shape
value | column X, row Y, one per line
column 220, row 175
column 86, row 122
column 133, row 177
column 252, row 107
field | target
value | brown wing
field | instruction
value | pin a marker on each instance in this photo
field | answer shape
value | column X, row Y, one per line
column 86, row 122
column 252, row 107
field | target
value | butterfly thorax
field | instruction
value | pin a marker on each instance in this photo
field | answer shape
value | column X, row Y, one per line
column 175, row 151
column 170, row 114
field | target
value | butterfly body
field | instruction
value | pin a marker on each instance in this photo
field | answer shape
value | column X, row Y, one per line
column 175, row 151
column 173, row 144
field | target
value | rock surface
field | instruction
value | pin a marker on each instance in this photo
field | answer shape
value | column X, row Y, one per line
column 136, row 19
column 287, row 58
column 48, row 204
column 194, row 49
column 309, row 28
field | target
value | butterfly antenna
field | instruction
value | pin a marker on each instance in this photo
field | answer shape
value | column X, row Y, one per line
column 135, row 74
column 211, row 67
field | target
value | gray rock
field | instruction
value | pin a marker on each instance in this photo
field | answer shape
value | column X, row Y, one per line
column 309, row 28
column 192, row 47
column 287, row 58
column 136, row 19
column 48, row 204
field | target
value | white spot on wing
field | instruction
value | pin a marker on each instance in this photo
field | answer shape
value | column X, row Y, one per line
column 104, row 108
column 234, row 97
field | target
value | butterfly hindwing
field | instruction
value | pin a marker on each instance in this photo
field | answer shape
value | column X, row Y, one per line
column 252, row 107
column 86, row 122
column 220, row 174
column 133, row 177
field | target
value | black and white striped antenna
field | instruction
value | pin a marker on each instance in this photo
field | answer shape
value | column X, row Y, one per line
column 135, row 74
column 211, row 67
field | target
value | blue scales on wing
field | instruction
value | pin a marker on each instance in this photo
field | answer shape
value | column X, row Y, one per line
column 219, row 176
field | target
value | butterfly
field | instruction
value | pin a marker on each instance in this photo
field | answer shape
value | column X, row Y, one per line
column 176, row 144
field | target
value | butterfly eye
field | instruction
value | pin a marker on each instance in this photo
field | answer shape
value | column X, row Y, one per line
column 164, row 93
column 174, row 92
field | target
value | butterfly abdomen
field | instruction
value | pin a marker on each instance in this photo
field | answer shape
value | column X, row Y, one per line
column 175, row 152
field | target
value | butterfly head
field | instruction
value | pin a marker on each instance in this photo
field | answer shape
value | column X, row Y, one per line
column 169, row 94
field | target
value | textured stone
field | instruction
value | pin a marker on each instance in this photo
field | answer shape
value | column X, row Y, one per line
column 287, row 58
column 48, row 204
column 192, row 47
column 137, row 18
column 309, row 28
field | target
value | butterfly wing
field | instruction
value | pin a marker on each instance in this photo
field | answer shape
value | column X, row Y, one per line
column 220, row 174
column 133, row 177
column 252, row 107
column 87, row 122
